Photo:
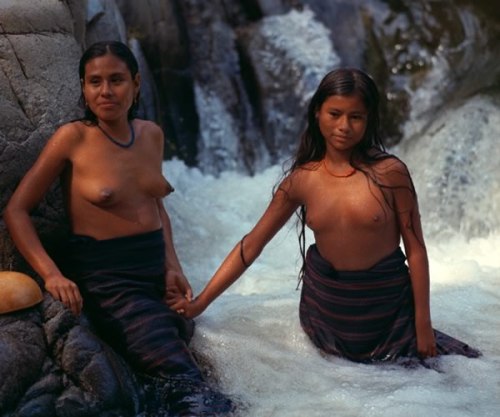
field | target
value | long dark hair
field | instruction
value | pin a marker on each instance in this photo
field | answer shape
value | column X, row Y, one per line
column 312, row 146
column 122, row 52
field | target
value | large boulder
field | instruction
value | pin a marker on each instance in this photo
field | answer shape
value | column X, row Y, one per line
column 51, row 364
column 39, row 90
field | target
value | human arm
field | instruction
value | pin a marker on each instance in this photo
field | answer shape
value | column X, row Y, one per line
column 176, row 282
column 410, row 227
column 26, row 197
column 246, row 251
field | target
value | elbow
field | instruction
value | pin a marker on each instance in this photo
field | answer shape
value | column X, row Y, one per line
column 250, row 250
column 11, row 213
column 8, row 215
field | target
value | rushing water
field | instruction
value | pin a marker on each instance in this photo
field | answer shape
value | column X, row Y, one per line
column 252, row 337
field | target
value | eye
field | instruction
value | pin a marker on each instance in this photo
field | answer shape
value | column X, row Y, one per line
column 117, row 79
column 94, row 81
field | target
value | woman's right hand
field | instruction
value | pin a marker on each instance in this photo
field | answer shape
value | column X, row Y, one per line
column 66, row 291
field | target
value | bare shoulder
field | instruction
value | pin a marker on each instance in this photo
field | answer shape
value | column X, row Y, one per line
column 66, row 138
column 149, row 131
column 148, row 127
column 70, row 131
column 299, row 180
column 391, row 170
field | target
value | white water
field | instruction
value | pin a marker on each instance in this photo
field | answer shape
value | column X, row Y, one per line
column 252, row 337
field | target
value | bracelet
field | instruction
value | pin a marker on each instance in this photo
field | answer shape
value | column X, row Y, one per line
column 242, row 256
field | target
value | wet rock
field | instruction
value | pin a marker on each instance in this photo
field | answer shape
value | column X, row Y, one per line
column 53, row 364
column 22, row 353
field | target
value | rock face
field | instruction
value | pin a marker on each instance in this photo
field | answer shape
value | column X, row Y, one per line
column 53, row 365
column 38, row 92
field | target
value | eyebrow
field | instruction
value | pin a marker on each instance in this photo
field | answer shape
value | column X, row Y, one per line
column 360, row 111
column 114, row 74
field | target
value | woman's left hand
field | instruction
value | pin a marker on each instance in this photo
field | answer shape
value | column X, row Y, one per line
column 426, row 341
column 177, row 285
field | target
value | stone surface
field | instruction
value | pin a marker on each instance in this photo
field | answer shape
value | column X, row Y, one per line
column 52, row 364
column 38, row 91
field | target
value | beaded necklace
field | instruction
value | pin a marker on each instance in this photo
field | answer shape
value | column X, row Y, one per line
column 117, row 142
column 349, row 174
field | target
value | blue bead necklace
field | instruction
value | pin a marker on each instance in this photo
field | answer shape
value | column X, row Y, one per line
column 117, row 142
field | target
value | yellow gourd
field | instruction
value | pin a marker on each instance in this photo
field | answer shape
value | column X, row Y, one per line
column 18, row 291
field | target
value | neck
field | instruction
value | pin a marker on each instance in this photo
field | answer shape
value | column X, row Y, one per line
column 123, row 136
column 339, row 170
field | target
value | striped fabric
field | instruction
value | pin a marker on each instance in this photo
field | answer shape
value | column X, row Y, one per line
column 122, row 283
column 364, row 315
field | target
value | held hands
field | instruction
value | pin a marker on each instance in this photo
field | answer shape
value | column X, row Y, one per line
column 187, row 308
column 66, row 291
column 179, row 295
column 177, row 285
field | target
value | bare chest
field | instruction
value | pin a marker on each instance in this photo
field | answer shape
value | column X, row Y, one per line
column 108, row 176
column 350, row 204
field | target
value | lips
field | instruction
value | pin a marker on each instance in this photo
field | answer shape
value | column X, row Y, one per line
column 107, row 104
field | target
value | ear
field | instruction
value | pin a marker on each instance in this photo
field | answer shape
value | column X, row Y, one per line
column 137, row 83
column 316, row 111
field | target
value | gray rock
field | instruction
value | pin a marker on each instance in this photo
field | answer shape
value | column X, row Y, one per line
column 104, row 22
column 22, row 353
column 51, row 360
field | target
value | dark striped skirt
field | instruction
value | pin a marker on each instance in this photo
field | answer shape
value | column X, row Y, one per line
column 122, row 282
column 364, row 315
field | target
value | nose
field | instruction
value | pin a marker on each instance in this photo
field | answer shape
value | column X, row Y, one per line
column 106, row 88
column 344, row 123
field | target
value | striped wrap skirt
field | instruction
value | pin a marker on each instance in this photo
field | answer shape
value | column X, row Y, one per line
column 364, row 315
column 122, row 282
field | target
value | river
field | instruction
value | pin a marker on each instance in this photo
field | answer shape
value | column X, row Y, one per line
column 252, row 338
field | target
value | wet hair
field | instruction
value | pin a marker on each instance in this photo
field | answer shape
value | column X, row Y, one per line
column 312, row 145
column 122, row 52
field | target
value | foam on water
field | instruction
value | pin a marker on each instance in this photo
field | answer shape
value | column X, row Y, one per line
column 252, row 337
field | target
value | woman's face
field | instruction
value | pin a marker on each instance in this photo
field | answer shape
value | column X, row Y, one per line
column 342, row 121
column 108, row 87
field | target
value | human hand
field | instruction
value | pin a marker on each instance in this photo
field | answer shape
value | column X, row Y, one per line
column 188, row 309
column 426, row 341
column 66, row 291
column 177, row 285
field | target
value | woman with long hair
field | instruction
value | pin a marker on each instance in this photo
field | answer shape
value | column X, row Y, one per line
column 362, row 297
